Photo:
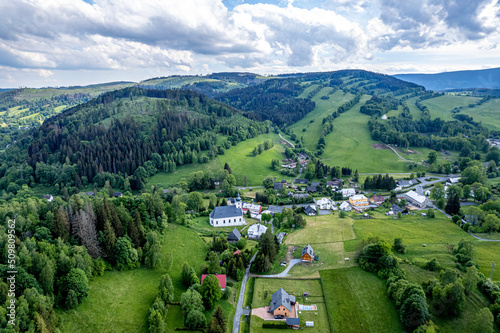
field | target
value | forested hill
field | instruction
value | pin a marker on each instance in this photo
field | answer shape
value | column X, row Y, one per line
column 486, row 78
column 127, row 135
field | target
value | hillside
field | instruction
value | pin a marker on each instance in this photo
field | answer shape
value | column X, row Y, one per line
column 484, row 78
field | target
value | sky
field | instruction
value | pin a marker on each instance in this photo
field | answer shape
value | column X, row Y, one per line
column 78, row 42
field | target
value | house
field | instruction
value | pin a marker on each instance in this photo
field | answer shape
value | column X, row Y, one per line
column 301, row 181
column 406, row 183
column 384, row 117
column 235, row 201
column 283, row 181
column 348, row 192
column 377, row 200
column 345, row 206
column 307, row 253
column 234, row 236
column 235, row 253
column 452, row 181
column 49, row 197
column 419, row 189
column 254, row 209
column 220, row 277
column 117, row 194
column 256, row 230
column 335, row 183
column 416, row 199
column 359, row 201
column 293, row 322
column 280, row 237
column 395, row 209
column 278, row 186
column 310, row 210
column 90, row 194
column 226, row 216
column 281, row 303
column 311, row 188
column 325, row 203
column 301, row 195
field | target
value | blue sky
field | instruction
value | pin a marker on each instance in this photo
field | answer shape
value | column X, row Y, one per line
column 74, row 42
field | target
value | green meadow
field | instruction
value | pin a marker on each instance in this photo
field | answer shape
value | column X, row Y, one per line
column 440, row 107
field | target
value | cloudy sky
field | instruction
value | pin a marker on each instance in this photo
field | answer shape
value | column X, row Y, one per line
column 70, row 42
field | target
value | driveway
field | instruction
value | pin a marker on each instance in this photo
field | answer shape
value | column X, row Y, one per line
column 484, row 239
column 292, row 263
column 239, row 307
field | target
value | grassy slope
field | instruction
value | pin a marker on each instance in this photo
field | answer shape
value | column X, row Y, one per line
column 119, row 301
column 440, row 107
column 357, row 302
column 488, row 114
column 239, row 158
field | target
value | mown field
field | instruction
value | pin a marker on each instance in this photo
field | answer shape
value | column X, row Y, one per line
column 264, row 289
column 239, row 158
column 119, row 301
column 357, row 302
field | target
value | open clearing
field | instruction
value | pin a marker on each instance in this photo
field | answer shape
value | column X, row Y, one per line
column 357, row 302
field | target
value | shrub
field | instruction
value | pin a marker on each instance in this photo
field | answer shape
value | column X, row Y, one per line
column 275, row 324
column 432, row 265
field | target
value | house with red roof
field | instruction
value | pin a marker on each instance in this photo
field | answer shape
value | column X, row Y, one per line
column 220, row 277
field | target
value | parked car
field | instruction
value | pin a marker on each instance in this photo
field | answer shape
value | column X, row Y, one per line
column 283, row 263
column 279, row 317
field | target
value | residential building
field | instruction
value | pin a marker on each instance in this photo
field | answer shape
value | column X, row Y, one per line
column 359, row 201
column 301, row 181
column 312, row 188
column 278, row 186
column 377, row 200
column 117, row 194
column 406, row 183
column 325, row 203
column 281, row 303
column 253, row 208
column 301, row 195
column 348, row 192
column 452, row 181
column 416, row 199
column 345, row 206
column 49, row 197
column 220, row 277
column 419, row 189
column 234, row 236
column 335, row 183
column 310, row 210
column 307, row 253
column 395, row 209
column 280, row 237
column 226, row 216
column 256, row 230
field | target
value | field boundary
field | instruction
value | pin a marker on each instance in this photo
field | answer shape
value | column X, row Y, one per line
column 326, row 304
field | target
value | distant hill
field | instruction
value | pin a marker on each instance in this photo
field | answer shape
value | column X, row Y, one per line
column 485, row 78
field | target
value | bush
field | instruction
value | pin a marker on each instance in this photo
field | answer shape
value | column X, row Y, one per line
column 275, row 324
column 399, row 246
column 432, row 265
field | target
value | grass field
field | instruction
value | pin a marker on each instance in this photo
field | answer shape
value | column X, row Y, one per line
column 440, row 107
column 297, row 288
column 438, row 234
column 119, row 301
column 239, row 158
column 357, row 302
column 487, row 113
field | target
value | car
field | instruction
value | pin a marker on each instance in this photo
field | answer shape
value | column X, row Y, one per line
column 283, row 263
column 279, row 317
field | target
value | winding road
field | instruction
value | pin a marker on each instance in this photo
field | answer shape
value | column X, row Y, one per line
column 483, row 239
column 292, row 263
column 291, row 144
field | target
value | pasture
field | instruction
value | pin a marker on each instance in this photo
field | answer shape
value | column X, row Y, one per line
column 262, row 295
column 440, row 107
column 357, row 301
column 119, row 301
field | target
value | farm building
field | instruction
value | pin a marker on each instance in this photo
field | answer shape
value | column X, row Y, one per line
column 234, row 236
column 226, row 216
column 281, row 303
column 220, row 277
column 307, row 253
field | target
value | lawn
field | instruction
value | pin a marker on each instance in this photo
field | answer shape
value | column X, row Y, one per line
column 326, row 235
column 239, row 158
column 297, row 288
column 119, row 301
column 438, row 234
column 357, row 302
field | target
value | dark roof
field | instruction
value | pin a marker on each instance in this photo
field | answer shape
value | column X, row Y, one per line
column 311, row 188
column 378, row 198
column 280, row 236
column 293, row 321
column 283, row 181
column 234, row 235
column 225, row 211
column 117, row 194
column 315, row 184
column 301, row 181
column 396, row 209
column 308, row 249
column 309, row 210
column 278, row 186
column 47, row 196
column 90, row 193
column 281, row 297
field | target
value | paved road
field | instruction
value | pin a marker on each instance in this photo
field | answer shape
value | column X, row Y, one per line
column 483, row 239
column 286, row 140
column 239, row 307
column 292, row 263
column 293, row 181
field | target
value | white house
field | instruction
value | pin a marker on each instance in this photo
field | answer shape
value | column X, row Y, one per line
column 345, row 206
column 256, row 230
column 326, row 203
column 49, row 197
column 348, row 192
column 253, row 208
column 416, row 199
column 452, row 181
column 226, row 216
